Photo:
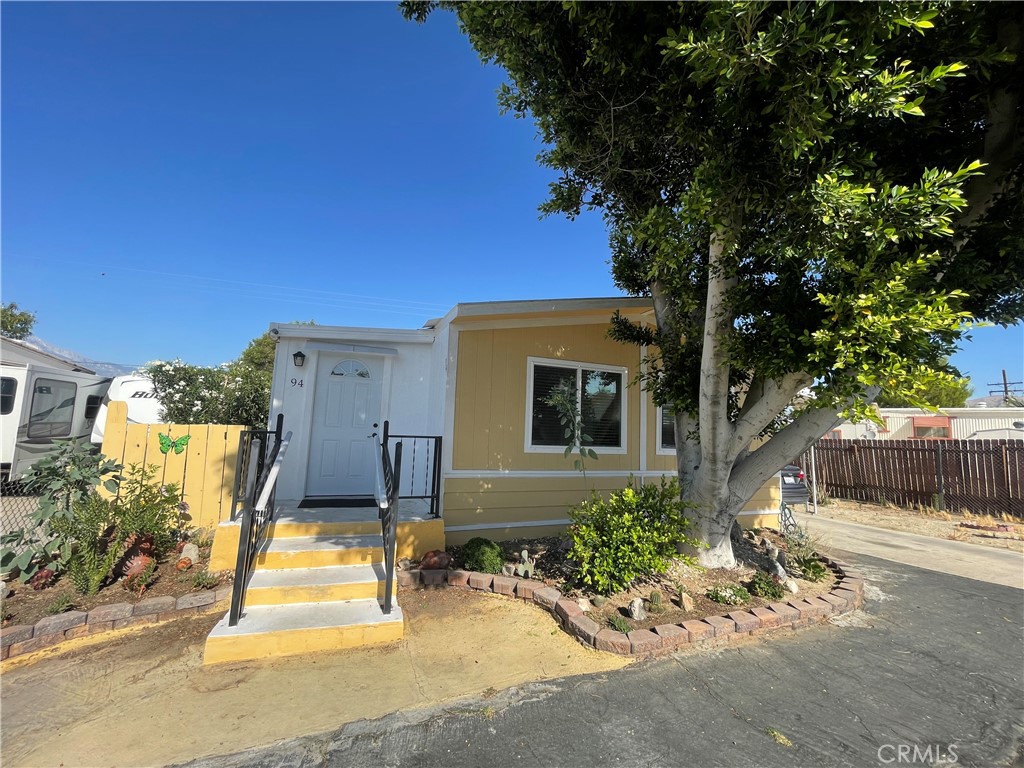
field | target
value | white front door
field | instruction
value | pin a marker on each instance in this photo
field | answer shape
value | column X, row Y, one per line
column 346, row 416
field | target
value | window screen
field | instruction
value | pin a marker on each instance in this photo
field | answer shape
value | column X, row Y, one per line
column 598, row 396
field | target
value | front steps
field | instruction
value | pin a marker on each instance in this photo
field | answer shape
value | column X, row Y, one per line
column 317, row 585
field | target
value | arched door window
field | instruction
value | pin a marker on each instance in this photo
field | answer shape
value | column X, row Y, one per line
column 351, row 368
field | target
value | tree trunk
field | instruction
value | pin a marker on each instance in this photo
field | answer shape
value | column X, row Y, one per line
column 711, row 522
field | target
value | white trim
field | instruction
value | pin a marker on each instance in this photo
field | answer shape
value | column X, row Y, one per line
column 342, row 333
column 536, row 322
column 531, row 361
column 517, row 524
column 644, row 397
column 659, row 449
column 491, row 473
column 359, row 349
column 484, row 308
column 451, row 382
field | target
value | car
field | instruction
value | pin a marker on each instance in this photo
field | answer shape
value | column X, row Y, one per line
column 794, row 487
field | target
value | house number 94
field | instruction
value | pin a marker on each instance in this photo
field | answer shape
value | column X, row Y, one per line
column 296, row 382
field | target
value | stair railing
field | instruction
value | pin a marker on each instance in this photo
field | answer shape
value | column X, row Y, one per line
column 256, row 490
column 386, row 493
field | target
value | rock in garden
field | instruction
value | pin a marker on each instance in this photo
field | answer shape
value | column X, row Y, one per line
column 773, row 551
column 508, row 570
column 599, row 600
column 191, row 552
column 404, row 564
column 636, row 609
column 435, row 560
column 791, row 586
column 778, row 571
column 780, row 558
column 584, row 605
column 686, row 602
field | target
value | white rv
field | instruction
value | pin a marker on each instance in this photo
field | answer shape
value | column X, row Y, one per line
column 42, row 398
column 135, row 390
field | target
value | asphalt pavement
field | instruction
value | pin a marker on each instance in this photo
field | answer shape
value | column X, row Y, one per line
column 931, row 672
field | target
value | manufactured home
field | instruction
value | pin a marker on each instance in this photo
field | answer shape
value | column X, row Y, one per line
column 481, row 455
column 42, row 398
column 946, row 424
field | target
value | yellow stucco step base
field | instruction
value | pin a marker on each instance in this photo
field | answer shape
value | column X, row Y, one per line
column 320, row 552
column 267, row 632
column 317, row 585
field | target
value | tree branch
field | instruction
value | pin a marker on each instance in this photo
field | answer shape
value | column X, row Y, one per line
column 758, row 413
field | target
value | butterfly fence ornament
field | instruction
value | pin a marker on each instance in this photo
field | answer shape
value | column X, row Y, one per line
column 166, row 443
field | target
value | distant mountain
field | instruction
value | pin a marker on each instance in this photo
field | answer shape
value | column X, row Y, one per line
column 103, row 369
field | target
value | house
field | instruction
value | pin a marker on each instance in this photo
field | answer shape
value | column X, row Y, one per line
column 482, row 451
column 946, row 424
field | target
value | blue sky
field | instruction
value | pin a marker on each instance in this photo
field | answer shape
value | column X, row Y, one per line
column 176, row 176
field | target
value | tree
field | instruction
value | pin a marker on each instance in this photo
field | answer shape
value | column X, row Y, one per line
column 937, row 393
column 814, row 196
column 16, row 323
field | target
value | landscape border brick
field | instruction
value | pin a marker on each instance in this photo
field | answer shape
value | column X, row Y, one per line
column 846, row 595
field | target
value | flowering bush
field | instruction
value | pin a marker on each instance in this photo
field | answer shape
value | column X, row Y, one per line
column 234, row 393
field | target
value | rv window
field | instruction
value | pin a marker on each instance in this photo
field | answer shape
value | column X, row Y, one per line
column 53, row 406
column 8, row 388
column 92, row 406
column 599, row 398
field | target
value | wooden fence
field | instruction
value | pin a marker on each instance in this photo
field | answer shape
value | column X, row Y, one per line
column 204, row 470
column 980, row 476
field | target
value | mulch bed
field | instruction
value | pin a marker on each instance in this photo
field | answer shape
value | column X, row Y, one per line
column 25, row 605
column 555, row 569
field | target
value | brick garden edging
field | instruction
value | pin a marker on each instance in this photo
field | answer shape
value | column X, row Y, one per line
column 51, row 630
column 847, row 595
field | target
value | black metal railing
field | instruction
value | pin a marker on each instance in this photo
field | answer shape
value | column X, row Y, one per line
column 422, row 479
column 260, row 454
column 389, row 477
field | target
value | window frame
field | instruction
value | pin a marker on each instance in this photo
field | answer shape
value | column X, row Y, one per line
column 659, row 449
column 931, row 422
column 10, row 397
column 32, row 432
column 622, row 371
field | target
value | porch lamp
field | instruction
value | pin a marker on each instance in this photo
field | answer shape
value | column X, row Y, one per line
column 298, row 358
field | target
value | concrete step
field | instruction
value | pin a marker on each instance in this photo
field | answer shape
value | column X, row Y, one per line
column 320, row 551
column 293, row 522
column 266, row 632
column 317, row 585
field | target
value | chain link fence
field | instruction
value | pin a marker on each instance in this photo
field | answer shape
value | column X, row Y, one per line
column 16, row 506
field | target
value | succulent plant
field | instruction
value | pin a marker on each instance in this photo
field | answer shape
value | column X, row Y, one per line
column 526, row 566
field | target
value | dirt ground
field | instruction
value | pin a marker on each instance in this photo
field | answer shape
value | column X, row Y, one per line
column 146, row 699
column 941, row 525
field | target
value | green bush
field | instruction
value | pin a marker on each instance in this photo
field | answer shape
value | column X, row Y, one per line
column 812, row 568
column 633, row 535
column 97, row 545
column 482, row 555
column 144, row 509
column 766, row 585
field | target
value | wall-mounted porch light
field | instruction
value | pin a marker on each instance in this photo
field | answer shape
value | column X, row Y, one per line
column 298, row 358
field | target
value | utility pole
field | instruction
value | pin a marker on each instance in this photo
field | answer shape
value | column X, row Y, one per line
column 1006, row 387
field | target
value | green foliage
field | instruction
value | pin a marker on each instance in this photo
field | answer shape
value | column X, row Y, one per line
column 16, row 323
column 811, row 568
column 943, row 391
column 655, row 602
column 833, row 184
column 732, row 594
column 138, row 583
column 632, row 535
column 482, row 555
column 236, row 393
column 96, row 546
column 619, row 623
column 204, row 580
column 63, row 479
column 60, row 604
column 145, row 509
column 766, row 585
column 563, row 399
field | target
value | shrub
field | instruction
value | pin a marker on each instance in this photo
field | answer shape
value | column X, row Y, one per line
column 766, row 585
column 632, row 535
column 732, row 594
column 145, row 510
column 482, row 555
column 204, row 580
column 96, row 543
column 812, row 568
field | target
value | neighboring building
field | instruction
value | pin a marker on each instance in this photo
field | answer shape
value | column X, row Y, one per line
column 477, row 378
column 947, row 424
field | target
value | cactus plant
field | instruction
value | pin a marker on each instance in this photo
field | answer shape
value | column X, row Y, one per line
column 526, row 567
column 656, row 602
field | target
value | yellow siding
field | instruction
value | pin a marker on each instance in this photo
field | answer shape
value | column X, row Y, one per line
column 204, row 471
column 491, row 387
